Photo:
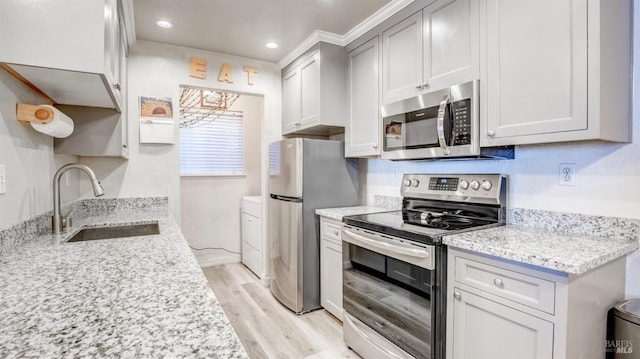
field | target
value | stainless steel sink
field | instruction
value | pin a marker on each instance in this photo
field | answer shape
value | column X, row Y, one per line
column 134, row 230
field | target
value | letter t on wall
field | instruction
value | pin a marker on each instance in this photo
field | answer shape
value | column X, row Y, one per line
column 250, row 70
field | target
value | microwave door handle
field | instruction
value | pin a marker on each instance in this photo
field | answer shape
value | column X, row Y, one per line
column 440, row 125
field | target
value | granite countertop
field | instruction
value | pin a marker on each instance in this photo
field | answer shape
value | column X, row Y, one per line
column 127, row 297
column 572, row 244
column 338, row 213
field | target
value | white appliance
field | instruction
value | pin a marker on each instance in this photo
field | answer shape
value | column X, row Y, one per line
column 252, row 240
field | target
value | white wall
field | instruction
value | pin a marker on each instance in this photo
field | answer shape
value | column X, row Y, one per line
column 211, row 205
column 29, row 159
column 607, row 175
column 158, row 70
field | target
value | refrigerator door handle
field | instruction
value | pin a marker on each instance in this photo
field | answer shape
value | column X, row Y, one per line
column 285, row 198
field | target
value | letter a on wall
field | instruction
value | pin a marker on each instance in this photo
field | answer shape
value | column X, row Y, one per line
column 225, row 73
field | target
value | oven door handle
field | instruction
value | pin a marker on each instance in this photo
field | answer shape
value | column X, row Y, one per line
column 383, row 246
column 442, row 111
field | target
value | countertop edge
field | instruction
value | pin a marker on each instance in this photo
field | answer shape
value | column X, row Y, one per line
column 537, row 259
column 339, row 212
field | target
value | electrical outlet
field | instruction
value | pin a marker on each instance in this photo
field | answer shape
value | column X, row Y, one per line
column 3, row 179
column 567, row 174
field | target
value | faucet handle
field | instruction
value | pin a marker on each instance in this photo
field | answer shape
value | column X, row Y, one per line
column 63, row 223
column 67, row 222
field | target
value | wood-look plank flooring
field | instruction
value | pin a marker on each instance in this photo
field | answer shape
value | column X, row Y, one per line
column 266, row 328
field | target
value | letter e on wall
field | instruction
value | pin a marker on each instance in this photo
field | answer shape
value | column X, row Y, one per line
column 198, row 68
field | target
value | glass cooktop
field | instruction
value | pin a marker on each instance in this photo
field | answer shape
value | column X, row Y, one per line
column 421, row 226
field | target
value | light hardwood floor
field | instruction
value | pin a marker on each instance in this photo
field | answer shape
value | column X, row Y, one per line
column 266, row 328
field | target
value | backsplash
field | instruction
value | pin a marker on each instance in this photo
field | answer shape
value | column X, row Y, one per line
column 388, row 202
column 583, row 224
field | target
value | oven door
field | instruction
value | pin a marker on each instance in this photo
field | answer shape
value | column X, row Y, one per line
column 389, row 295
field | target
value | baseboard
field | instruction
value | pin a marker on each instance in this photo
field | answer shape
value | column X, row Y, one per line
column 214, row 257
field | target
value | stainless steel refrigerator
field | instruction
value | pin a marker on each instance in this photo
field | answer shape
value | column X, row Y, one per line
column 304, row 175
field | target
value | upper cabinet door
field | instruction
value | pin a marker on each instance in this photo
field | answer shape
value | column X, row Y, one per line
column 362, row 130
column 290, row 100
column 535, row 81
column 71, row 52
column 451, row 43
column 310, row 89
column 402, row 48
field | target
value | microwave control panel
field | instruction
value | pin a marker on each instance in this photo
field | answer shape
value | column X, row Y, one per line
column 461, row 113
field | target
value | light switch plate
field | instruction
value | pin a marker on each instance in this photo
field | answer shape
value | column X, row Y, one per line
column 3, row 179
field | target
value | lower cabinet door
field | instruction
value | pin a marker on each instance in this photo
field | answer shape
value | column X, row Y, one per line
column 486, row 329
column 331, row 277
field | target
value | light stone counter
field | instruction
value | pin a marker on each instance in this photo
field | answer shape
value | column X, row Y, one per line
column 338, row 213
column 127, row 297
column 570, row 243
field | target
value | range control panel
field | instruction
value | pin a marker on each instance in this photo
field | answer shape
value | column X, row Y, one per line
column 479, row 188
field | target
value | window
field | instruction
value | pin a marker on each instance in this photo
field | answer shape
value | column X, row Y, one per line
column 211, row 141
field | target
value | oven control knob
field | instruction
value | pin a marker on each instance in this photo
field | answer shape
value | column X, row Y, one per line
column 486, row 185
column 415, row 183
column 475, row 185
column 407, row 182
column 464, row 184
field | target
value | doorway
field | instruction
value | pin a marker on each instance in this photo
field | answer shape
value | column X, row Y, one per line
column 220, row 162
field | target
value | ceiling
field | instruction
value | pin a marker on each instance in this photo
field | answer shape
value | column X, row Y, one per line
column 243, row 27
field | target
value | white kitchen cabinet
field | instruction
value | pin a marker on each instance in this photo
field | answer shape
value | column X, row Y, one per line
column 313, row 92
column 71, row 51
column 252, row 242
column 560, row 81
column 502, row 309
column 434, row 48
column 99, row 132
column 362, row 132
column 487, row 329
column 291, row 101
column 331, row 266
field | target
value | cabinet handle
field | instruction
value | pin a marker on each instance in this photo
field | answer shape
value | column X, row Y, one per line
column 419, row 86
column 425, row 85
column 375, row 146
column 296, row 124
column 124, row 146
column 336, row 233
column 491, row 133
column 498, row 282
column 457, row 296
column 117, row 87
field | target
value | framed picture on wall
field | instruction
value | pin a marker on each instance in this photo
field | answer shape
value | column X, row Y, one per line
column 156, row 120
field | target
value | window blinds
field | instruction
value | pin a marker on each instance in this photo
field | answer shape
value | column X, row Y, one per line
column 214, row 148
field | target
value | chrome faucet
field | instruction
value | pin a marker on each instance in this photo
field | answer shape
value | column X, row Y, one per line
column 59, row 222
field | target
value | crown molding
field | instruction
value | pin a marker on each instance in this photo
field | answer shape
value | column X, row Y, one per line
column 374, row 20
column 307, row 43
column 342, row 40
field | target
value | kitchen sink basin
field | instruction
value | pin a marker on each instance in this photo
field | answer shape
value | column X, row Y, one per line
column 90, row 234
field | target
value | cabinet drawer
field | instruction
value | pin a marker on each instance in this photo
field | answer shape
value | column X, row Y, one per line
column 521, row 288
column 331, row 231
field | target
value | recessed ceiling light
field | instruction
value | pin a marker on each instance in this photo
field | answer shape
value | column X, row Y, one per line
column 164, row 23
column 271, row 45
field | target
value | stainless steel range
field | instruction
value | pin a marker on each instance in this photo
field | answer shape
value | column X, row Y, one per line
column 395, row 276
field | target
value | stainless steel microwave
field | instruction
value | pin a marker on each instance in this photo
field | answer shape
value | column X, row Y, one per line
column 439, row 124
